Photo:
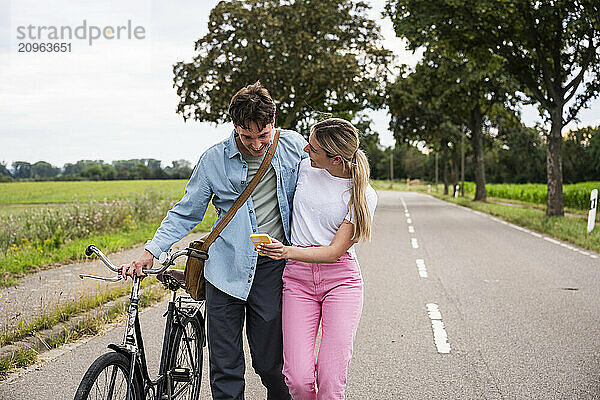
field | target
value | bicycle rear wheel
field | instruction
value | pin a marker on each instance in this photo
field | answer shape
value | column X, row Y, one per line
column 107, row 378
column 185, row 364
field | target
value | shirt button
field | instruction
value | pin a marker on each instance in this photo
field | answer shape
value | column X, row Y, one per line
column 250, row 276
column 244, row 166
column 249, row 281
column 243, row 182
column 252, row 268
column 253, row 230
column 293, row 169
column 250, row 211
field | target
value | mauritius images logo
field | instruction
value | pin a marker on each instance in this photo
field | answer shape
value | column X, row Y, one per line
column 85, row 31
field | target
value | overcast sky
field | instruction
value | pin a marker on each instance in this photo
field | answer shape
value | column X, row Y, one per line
column 115, row 99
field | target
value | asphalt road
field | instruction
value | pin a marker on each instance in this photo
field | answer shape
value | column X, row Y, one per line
column 490, row 311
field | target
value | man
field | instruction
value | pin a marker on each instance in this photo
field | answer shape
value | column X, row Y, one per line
column 240, row 283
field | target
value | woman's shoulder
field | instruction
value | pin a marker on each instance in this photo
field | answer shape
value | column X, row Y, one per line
column 371, row 194
column 305, row 167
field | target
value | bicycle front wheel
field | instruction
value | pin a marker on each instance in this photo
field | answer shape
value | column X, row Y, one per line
column 107, row 378
column 185, row 363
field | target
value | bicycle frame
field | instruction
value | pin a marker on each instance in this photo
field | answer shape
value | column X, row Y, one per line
column 133, row 347
column 133, row 344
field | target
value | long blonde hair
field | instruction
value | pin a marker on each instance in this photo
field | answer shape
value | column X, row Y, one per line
column 339, row 137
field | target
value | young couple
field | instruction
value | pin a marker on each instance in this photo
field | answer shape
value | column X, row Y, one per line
column 316, row 197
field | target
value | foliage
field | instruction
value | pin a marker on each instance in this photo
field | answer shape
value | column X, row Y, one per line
column 549, row 47
column 452, row 89
column 4, row 172
column 581, row 155
column 312, row 55
column 42, row 169
column 22, row 169
column 98, row 170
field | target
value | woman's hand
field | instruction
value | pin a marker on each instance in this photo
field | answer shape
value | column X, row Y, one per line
column 275, row 250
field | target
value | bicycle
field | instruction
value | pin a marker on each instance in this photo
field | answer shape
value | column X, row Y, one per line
column 123, row 373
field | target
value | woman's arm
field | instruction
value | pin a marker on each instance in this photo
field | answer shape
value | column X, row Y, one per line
column 340, row 244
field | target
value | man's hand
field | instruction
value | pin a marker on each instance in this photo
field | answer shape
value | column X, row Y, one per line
column 275, row 250
column 144, row 261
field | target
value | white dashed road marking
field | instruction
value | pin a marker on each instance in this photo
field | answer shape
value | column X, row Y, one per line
column 411, row 229
column 414, row 242
column 421, row 268
column 440, row 337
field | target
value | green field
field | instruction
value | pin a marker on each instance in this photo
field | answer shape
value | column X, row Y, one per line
column 66, row 192
column 575, row 195
column 52, row 222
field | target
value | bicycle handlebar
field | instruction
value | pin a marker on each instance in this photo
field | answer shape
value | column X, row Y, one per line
column 165, row 258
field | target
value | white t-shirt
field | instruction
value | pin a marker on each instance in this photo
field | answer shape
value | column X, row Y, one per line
column 321, row 204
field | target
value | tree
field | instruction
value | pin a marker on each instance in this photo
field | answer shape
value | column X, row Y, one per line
column 418, row 117
column 464, row 91
column 99, row 172
column 581, row 158
column 4, row 171
column 42, row 169
column 179, row 169
column 518, row 152
column 550, row 47
column 79, row 166
column 22, row 169
column 312, row 55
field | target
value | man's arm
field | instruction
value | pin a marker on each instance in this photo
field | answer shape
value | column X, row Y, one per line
column 180, row 220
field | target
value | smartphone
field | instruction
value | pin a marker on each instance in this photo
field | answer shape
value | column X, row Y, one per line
column 258, row 238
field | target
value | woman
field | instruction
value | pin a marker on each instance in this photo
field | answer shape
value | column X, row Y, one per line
column 322, row 283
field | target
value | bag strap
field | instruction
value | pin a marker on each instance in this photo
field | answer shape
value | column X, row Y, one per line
column 264, row 166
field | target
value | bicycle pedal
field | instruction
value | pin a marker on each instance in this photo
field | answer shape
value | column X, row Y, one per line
column 181, row 375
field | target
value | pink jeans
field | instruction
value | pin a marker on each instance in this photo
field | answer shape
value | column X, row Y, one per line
column 333, row 295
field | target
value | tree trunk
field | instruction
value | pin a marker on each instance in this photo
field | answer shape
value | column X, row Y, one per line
column 454, row 171
column 554, row 165
column 445, row 164
column 476, row 123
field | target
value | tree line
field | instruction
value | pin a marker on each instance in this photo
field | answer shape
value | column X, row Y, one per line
column 514, row 153
column 96, row 170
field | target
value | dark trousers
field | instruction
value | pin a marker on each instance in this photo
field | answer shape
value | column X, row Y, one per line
column 225, row 319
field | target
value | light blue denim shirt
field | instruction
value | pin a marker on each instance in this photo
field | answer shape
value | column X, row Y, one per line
column 221, row 175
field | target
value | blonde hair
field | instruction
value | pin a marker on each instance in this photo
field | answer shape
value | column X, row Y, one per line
column 339, row 137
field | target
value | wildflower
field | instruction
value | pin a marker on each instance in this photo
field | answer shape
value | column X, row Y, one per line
column 24, row 240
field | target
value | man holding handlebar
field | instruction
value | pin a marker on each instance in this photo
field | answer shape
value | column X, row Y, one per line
column 239, row 282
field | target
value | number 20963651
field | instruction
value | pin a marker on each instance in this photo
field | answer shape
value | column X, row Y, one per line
column 44, row 48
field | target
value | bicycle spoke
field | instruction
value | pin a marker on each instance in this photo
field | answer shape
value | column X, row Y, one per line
column 111, row 385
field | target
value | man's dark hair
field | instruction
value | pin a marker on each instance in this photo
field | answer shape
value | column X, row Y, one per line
column 252, row 104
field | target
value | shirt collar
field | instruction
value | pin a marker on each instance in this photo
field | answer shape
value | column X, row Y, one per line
column 231, row 146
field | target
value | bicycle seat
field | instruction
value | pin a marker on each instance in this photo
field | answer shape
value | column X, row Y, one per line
column 174, row 279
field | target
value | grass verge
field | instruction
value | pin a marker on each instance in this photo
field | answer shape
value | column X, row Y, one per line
column 90, row 325
column 568, row 229
column 30, row 259
column 64, row 312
